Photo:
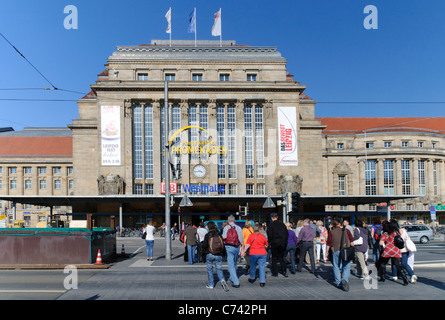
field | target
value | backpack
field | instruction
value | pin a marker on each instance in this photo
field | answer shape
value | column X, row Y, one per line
column 232, row 237
column 378, row 232
column 216, row 244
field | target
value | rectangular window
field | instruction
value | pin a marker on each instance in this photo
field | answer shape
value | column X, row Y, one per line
column 142, row 76
column 406, row 177
column 27, row 170
column 137, row 142
column 170, row 77
column 249, row 188
column 369, row 145
column 222, row 189
column 435, row 180
column 70, row 170
column 259, row 142
column 260, row 188
column 57, row 170
column 197, row 77
column 138, row 188
column 42, row 170
column 387, row 144
column 248, row 141
column 13, row 184
column 57, row 184
column 405, row 144
column 420, row 144
column 232, row 188
column 341, row 185
column 70, row 184
column 251, row 77
column 388, row 177
column 13, row 170
column 149, row 189
column 42, row 184
column 27, row 184
column 370, row 178
column 224, row 77
column 340, row 145
column 220, row 129
column 148, row 142
column 422, row 183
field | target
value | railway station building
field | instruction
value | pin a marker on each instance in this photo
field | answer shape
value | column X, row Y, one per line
column 241, row 130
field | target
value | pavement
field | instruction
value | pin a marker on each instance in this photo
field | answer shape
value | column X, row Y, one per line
column 135, row 278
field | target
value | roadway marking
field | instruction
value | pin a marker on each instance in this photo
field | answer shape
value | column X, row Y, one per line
column 32, row 291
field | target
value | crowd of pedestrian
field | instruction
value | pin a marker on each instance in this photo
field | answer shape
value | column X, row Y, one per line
column 294, row 245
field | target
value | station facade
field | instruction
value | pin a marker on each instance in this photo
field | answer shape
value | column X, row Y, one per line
column 238, row 125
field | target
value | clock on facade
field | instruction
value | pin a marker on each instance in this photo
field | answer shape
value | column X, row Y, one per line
column 199, row 171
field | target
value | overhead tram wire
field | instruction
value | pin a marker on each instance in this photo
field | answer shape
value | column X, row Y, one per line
column 54, row 87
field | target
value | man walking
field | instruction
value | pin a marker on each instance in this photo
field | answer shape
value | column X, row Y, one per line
column 277, row 236
column 190, row 242
column 342, row 269
column 306, row 243
column 233, row 239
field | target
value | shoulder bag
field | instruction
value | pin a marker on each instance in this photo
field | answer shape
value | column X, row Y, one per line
column 346, row 254
column 398, row 241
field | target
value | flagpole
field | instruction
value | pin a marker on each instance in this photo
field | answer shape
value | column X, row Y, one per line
column 220, row 34
column 196, row 28
column 170, row 27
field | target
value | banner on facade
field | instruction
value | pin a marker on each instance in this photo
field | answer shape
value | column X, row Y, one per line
column 287, row 136
column 111, row 135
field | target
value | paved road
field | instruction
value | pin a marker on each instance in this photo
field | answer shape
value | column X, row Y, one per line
column 135, row 278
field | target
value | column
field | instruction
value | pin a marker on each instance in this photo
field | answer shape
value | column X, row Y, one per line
column 212, row 165
column 240, row 150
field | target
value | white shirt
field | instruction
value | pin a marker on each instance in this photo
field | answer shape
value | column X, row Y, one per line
column 201, row 233
column 150, row 230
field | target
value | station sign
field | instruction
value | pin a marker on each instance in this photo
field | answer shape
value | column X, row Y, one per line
column 173, row 187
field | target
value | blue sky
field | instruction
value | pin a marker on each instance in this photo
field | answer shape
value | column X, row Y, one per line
column 324, row 41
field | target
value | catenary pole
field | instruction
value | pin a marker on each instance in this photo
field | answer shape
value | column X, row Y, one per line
column 167, row 176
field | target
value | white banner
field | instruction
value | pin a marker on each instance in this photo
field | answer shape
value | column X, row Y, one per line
column 111, row 135
column 287, row 136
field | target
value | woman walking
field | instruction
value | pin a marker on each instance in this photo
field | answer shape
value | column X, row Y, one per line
column 321, row 241
column 247, row 231
column 256, row 244
column 390, row 251
column 291, row 247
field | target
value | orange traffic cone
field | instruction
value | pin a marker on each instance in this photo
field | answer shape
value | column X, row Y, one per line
column 123, row 249
column 99, row 257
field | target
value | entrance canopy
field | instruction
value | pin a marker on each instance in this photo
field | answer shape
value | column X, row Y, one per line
column 305, row 201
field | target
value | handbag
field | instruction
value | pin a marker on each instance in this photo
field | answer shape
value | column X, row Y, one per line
column 409, row 244
column 144, row 235
column 398, row 241
column 346, row 254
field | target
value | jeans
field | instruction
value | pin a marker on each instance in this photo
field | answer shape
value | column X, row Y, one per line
column 342, row 269
column 232, row 258
column 149, row 244
column 210, row 258
column 191, row 253
column 261, row 261
column 291, row 248
column 405, row 265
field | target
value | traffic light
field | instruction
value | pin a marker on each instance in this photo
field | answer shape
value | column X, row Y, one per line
column 295, row 201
